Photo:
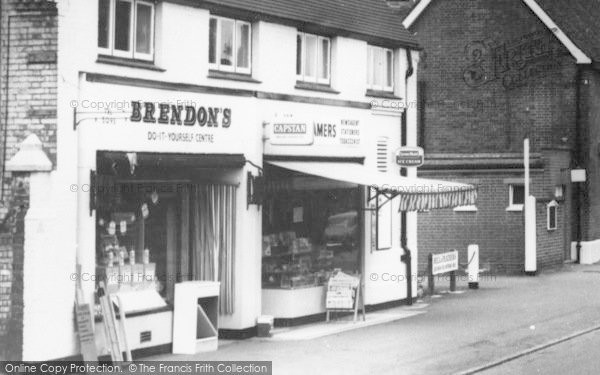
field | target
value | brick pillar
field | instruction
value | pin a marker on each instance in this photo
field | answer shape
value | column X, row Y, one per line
column 14, row 249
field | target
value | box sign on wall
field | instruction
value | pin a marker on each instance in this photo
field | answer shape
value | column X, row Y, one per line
column 410, row 157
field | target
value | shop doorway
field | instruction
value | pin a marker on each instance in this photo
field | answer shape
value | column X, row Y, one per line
column 171, row 218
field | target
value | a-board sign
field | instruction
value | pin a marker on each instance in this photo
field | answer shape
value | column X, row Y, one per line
column 410, row 156
column 444, row 262
column 85, row 330
column 341, row 291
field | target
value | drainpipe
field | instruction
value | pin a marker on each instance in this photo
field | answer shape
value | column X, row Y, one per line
column 578, row 159
column 407, row 257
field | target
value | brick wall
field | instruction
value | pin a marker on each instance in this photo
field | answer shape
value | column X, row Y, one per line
column 28, row 83
column 465, row 112
column 480, row 95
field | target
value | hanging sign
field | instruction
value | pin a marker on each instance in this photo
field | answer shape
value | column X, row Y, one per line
column 410, row 156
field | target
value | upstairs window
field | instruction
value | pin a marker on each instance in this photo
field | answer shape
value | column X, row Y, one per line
column 313, row 58
column 126, row 28
column 229, row 45
column 380, row 69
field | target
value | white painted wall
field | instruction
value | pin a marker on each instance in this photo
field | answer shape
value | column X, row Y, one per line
column 181, row 48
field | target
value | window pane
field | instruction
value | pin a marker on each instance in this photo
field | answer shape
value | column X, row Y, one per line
column 299, row 54
column 310, row 62
column 324, row 59
column 122, row 25
column 389, row 66
column 243, row 45
column 378, row 74
column 212, row 41
column 518, row 194
column 103, row 23
column 227, row 42
column 143, row 33
column 552, row 217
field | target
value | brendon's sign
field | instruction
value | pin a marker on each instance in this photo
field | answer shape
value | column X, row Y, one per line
column 410, row 157
column 165, row 113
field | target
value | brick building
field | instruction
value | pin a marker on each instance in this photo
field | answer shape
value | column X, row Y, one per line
column 28, row 74
column 491, row 74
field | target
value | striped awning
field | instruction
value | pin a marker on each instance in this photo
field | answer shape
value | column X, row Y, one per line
column 415, row 194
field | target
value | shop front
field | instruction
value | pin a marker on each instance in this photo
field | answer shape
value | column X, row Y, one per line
column 333, row 203
column 167, row 204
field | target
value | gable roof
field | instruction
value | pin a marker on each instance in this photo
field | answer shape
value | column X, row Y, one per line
column 370, row 20
column 580, row 20
column 573, row 22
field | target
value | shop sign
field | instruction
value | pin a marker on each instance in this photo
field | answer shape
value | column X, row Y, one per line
column 182, row 121
column 344, row 132
column 444, row 262
column 290, row 131
column 341, row 291
column 410, row 157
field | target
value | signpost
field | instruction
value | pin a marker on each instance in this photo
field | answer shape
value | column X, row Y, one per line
column 443, row 263
column 407, row 156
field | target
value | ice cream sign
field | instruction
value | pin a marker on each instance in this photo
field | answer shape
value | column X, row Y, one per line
column 410, row 157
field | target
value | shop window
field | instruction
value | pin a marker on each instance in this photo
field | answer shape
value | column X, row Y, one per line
column 516, row 197
column 380, row 69
column 229, row 45
column 311, row 226
column 313, row 58
column 552, row 215
column 126, row 28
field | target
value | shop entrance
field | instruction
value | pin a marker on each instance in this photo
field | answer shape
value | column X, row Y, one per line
column 166, row 218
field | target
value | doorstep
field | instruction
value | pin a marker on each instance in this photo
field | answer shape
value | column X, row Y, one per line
column 341, row 324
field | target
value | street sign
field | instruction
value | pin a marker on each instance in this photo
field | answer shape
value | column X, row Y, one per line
column 410, row 156
column 444, row 262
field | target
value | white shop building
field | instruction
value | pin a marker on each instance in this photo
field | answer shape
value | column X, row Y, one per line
column 240, row 146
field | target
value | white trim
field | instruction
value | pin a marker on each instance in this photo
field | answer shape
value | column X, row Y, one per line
column 578, row 54
column 515, row 208
column 469, row 208
column 415, row 13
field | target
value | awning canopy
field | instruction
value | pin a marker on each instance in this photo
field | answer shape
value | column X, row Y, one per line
column 415, row 194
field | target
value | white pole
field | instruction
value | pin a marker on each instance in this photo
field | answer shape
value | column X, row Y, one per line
column 526, row 162
column 530, row 237
column 473, row 266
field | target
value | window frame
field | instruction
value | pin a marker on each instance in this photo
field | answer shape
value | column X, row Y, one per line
column 132, row 53
column 302, row 77
column 552, row 205
column 511, row 205
column 234, row 67
column 372, row 52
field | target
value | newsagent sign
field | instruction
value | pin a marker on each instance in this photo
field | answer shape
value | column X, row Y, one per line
column 293, row 131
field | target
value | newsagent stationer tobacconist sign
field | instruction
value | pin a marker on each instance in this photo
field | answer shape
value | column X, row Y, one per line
column 290, row 131
column 182, row 122
column 445, row 262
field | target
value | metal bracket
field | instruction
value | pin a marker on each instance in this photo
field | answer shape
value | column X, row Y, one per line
column 108, row 117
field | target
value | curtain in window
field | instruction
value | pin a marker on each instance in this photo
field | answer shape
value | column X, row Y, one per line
column 213, row 238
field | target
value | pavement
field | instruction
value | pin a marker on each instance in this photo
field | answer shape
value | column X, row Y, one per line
column 503, row 327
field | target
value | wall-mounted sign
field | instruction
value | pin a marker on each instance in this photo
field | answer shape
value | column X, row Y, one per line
column 344, row 132
column 410, row 157
column 578, row 175
column 288, row 130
